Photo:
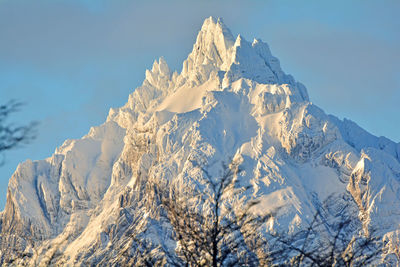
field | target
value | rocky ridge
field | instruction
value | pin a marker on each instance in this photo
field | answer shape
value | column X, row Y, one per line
column 230, row 101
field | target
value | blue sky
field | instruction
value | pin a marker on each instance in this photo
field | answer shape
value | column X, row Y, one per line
column 70, row 61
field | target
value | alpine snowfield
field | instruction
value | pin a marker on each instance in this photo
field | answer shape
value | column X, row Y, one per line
column 230, row 102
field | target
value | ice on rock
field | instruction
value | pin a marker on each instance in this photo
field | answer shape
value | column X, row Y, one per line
column 231, row 100
column 160, row 75
column 211, row 50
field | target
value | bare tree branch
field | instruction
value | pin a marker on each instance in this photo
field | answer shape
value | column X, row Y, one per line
column 213, row 227
column 11, row 135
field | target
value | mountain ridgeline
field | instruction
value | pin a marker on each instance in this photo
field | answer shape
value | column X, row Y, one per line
column 231, row 102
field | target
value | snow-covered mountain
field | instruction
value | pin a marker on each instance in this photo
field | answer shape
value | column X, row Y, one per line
column 230, row 101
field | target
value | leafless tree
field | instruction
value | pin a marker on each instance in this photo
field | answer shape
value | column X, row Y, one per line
column 137, row 249
column 12, row 135
column 213, row 224
column 334, row 237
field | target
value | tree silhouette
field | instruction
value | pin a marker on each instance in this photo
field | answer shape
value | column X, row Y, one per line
column 11, row 135
column 213, row 224
column 334, row 237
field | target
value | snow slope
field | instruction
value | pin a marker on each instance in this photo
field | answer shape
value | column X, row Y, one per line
column 230, row 101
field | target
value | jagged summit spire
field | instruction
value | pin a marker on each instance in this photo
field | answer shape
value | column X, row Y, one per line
column 217, row 51
column 212, row 46
column 159, row 75
column 217, row 29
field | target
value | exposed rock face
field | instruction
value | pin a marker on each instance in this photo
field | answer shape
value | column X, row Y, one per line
column 231, row 100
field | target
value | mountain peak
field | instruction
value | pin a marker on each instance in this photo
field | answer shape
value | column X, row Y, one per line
column 216, row 50
column 95, row 196
column 217, row 28
column 213, row 44
column 159, row 75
